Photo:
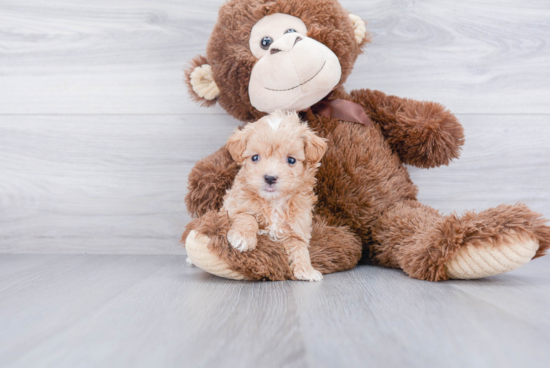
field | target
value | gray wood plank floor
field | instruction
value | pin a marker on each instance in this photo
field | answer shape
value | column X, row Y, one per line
column 153, row 311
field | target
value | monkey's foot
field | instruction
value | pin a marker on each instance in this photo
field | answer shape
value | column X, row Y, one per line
column 206, row 259
column 492, row 257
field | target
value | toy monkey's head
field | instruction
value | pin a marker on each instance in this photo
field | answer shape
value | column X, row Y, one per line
column 266, row 55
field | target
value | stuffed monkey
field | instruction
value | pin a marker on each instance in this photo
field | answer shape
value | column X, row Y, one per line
column 267, row 55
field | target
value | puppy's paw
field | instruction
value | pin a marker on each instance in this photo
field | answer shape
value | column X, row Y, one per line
column 189, row 262
column 307, row 274
column 241, row 241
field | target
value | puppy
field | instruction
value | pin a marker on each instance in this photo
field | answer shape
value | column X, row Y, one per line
column 273, row 191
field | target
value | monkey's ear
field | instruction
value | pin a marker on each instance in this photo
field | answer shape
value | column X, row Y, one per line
column 360, row 29
column 315, row 146
column 200, row 81
column 236, row 144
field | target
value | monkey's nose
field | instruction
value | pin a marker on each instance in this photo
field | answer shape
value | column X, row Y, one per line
column 285, row 43
column 270, row 179
column 274, row 50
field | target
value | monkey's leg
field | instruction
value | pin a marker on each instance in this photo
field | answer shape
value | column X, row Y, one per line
column 428, row 246
column 332, row 249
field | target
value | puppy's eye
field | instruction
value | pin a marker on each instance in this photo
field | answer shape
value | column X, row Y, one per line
column 291, row 160
column 290, row 30
column 255, row 158
column 266, row 42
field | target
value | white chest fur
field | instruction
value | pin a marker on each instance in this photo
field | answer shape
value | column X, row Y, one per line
column 274, row 224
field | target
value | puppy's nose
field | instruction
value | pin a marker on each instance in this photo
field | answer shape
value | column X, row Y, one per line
column 270, row 179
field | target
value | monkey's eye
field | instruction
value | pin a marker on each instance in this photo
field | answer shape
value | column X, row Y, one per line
column 291, row 160
column 266, row 42
column 255, row 158
column 290, row 30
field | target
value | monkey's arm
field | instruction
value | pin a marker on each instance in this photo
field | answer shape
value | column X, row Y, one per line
column 424, row 134
column 208, row 182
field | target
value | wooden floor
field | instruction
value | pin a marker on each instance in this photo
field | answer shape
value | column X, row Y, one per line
column 153, row 311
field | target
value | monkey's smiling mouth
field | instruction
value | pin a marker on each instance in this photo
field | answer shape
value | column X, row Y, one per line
column 301, row 84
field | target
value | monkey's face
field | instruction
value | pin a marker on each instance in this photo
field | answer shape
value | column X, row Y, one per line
column 293, row 71
column 272, row 55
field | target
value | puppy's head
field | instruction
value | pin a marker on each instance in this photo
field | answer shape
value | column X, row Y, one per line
column 279, row 154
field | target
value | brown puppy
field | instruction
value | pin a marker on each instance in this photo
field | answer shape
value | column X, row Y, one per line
column 273, row 191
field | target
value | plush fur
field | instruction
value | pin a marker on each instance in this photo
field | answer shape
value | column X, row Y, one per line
column 326, row 20
column 365, row 195
column 332, row 249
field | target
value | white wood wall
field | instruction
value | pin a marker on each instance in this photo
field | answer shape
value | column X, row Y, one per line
column 97, row 133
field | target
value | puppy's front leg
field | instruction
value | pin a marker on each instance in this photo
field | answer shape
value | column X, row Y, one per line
column 242, row 235
column 300, row 263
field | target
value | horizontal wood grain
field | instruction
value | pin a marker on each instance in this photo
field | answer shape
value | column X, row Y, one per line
column 153, row 311
column 506, row 159
column 116, row 184
column 127, row 57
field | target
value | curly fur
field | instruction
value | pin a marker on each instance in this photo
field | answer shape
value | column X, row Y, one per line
column 281, row 209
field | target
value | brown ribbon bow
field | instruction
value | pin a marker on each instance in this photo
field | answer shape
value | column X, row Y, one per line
column 342, row 110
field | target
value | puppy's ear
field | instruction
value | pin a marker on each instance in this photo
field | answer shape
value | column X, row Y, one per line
column 315, row 146
column 200, row 82
column 236, row 145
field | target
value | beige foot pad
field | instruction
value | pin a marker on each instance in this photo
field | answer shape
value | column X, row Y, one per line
column 477, row 261
column 206, row 259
